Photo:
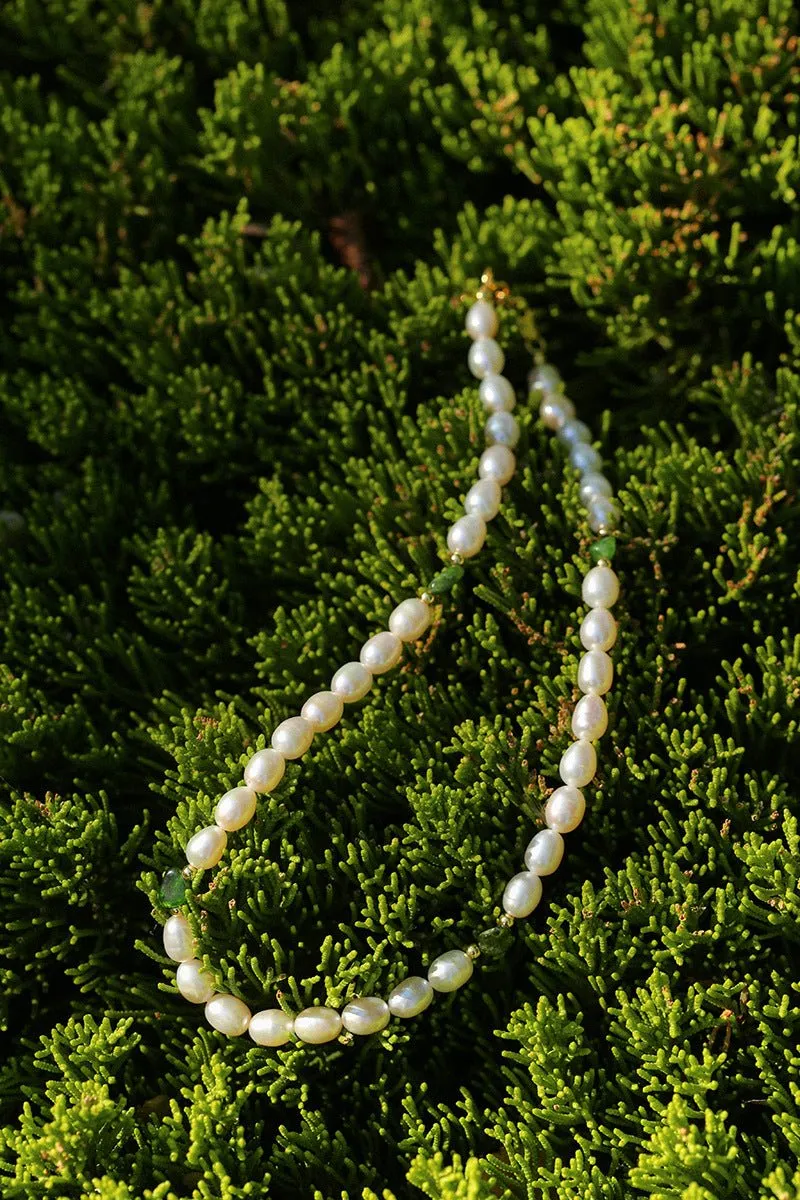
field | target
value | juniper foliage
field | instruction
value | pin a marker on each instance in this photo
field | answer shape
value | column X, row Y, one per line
column 235, row 422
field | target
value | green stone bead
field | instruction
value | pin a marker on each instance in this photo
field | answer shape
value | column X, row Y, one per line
column 173, row 888
column 605, row 548
column 494, row 943
column 445, row 580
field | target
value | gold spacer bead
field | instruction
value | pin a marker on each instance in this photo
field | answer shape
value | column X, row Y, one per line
column 346, row 1038
column 473, row 951
column 427, row 598
column 506, row 921
column 603, row 562
column 188, row 871
column 457, row 559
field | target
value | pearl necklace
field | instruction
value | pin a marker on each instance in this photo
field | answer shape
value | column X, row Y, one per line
column 292, row 738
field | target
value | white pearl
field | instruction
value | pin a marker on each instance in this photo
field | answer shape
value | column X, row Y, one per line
column 483, row 499
column 467, row 536
column 265, row 770
column 572, row 432
column 564, row 810
column 366, row 1014
column 449, row 971
column 178, row 940
column 271, row 1027
column 411, row 997
column 481, row 321
column 600, row 588
column 485, row 357
column 578, row 764
column 352, row 682
column 207, row 846
column 502, row 428
column 235, row 808
column 496, row 393
column 323, row 710
column 293, row 737
column 522, row 894
column 381, row 652
column 602, row 512
column 555, row 411
column 545, row 852
column 317, row 1025
column 595, row 672
column 194, row 983
column 590, row 717
column 497, row 462
column 585, row 458
column 544, row 378
column 410, row 619
column 598, row 630
column 593, row 485
column 227, row 1014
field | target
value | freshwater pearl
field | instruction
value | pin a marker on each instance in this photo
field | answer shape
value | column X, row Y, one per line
column 178, row 940
column 411, row 997
column 602, row 512
column 450, row 971
column 545, row 852
column 235, row 808
column 585, row 458
column 600, row 588
column 481, row 320
column 264, row 771
column 351, row 682
column 317, row 1025
column 227, row 1014
column 572, row 432
column 194, row 983
column 323, row 710
column 207, row 846
column 590, row 717
column 293, row 737
column 593, row 485
column 564, row 810
column 366, row 1014
column 595, row 672
column 466, row 536
column 410, row 619
column 483, row 499
column 496, row 393
column 544, row 378
column 485, row 357
column 503, row 428
column 598, row 630
column 497, row 462
column 578, row 764
column 271, row 1027
column 555, row 411
column 522, row 894
column 381, row 652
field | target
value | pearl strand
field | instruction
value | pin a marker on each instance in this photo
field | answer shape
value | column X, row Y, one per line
column 380, row 653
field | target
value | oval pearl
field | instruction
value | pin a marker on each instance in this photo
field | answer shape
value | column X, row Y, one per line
column 595, row 672
column 502, row 428
column 555, row 411
column 544, row 378
column 323, row 710
column 593, row 485
column 264, row 771
column 585, row 458
column 467, row 536
column 207, row 846
column 483, row 499
column 590, row 717
column 598, row 630
column 271, row 1027
column 381, row 652
column 178, row 939
column 522, row 894
column 572, row 432
column 410, row 619
column 352, row 682
column 578, row 764
column 366, row 1014
column 600, row 587
column 411, row 997
column 449, row 971
column 497, row 462
column 481, row 320
column 602, row 513
column 317, row 1025
column 485, row 357
column 564, row 810
column 227, row 1014
column 293, row 737
column 235, row 808
column 496, row 393
column 545, row 852
column 194, row 984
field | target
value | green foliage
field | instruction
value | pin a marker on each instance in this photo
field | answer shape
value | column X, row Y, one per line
column 223, row 459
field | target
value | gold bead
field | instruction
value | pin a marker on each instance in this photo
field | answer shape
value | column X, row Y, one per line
column 457, row 559
column 473, row 951
column 427, row 598
column 188, row 872
column 506, row 921
column 346, row 1038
